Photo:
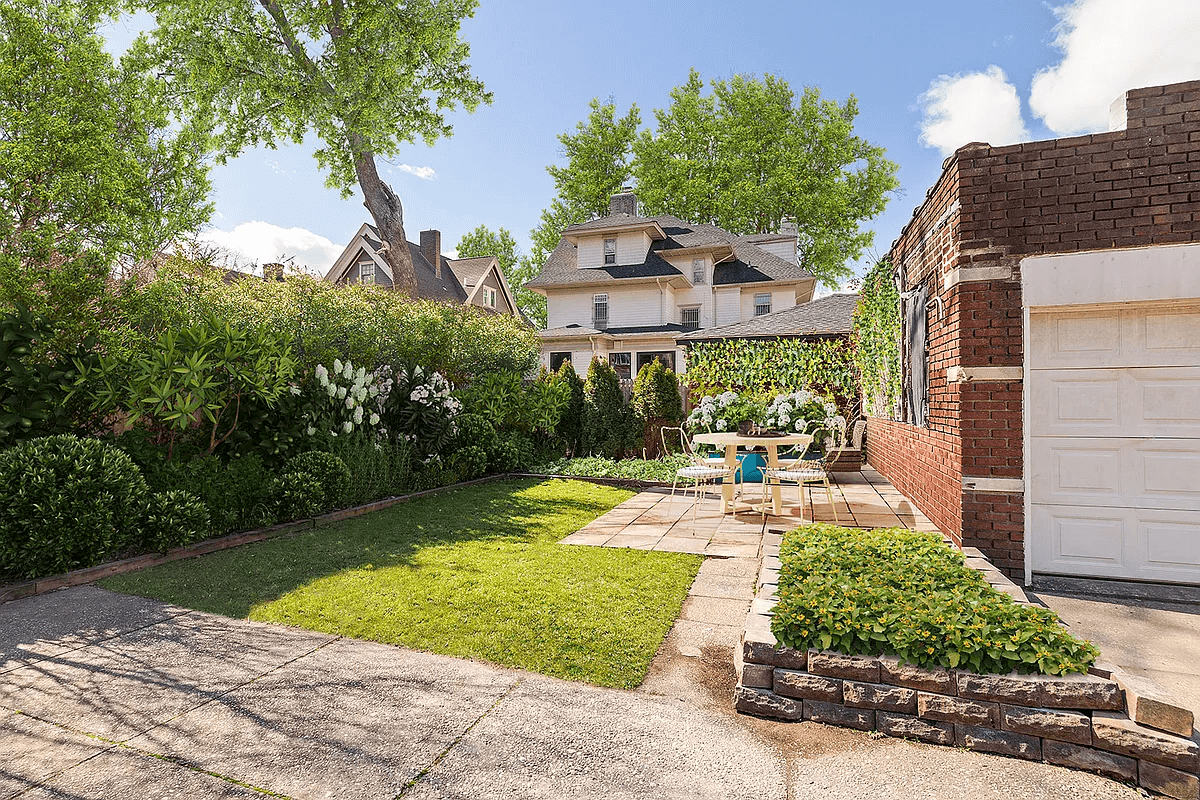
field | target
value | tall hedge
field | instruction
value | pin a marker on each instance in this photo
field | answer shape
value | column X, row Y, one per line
column 777, row 365
column 606, row 418
column 656, row 403
column 570, row 425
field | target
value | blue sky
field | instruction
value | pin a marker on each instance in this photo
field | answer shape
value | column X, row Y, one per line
column 929, row 76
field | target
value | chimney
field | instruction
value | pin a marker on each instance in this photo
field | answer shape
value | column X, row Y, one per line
column 623, row 202
column 431, row 248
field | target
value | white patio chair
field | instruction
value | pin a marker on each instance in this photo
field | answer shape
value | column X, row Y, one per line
column 700, row 472
column 802, row 473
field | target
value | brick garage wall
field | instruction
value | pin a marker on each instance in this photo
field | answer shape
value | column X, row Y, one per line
column 991, row 207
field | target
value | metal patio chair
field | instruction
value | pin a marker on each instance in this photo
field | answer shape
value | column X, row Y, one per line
column 701, row 472
column 803, row 473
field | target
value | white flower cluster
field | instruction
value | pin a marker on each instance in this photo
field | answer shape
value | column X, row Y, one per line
column 357, row 397
column 707, row 414
column 802, row 412
column 434, row 393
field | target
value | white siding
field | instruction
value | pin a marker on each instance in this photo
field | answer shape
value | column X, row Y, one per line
column 569, row 308
column 631, row 249
column 728, row 304
column 785, row 249
column 702, row 296
column 634, row 306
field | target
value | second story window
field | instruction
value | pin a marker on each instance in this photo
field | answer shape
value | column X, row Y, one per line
column 697, row 270
column 610, row 251
column 600, row 311
column 366, row 272
column 690, row 318
column 762, row 304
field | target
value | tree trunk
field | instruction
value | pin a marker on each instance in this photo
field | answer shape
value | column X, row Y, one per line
column 388, row 213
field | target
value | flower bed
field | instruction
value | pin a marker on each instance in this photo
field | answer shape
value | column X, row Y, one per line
column 907, row 593
column 632, row 469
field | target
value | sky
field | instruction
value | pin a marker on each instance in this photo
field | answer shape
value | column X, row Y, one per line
column 929, row 77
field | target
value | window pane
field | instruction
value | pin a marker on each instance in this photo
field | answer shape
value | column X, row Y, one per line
column 600, row 311
column 762, row 304
column 557, row 359
column 610, row 251
column 366, row 272
column 690, row 318
column 697, row 270
column 621, row 364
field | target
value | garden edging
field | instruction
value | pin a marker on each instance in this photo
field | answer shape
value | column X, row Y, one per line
column 1101, row 722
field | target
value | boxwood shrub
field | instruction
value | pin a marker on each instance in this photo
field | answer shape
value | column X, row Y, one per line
column 909, row 594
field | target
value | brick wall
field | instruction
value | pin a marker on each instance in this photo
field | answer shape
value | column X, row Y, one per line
column 991, row 207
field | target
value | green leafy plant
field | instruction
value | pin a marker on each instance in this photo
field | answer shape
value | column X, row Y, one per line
column 876, row 335
column 910, row 594
column 772, row 366
column 329, row 470
column 470, row 462
column 420, row 410
column 570, row 423
column 607, row 421
column 298, row 495
column 661, row 469
column 378, row 469
column 173, row 519
column 656, row 403
column 66, row 502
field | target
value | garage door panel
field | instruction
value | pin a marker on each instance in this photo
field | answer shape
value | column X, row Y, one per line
column 1154, row 336
column 1125, row 473
column 1140, row 544
column 1140, row 401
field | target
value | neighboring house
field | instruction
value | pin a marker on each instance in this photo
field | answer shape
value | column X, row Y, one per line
column 1057, row 285
column 624, row 287
column 829, row 317
column 474, row 281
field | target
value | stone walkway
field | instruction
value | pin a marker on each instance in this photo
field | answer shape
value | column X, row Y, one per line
column 653, row 520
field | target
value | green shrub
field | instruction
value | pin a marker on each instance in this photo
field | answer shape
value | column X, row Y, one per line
column 298, row 495
column 331, row 473
column 65, row 503
column 570, row 423
column 378, row 469
column 238, row 492
column 607, row 421
column 634, row 469
column 909, row 594
column 470, row 462
column 420, row 410
column 173, row 519
column 656, row 403
column 514, row 452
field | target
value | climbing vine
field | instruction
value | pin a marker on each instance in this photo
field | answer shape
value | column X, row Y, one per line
column 770, row 366
column 876, row 336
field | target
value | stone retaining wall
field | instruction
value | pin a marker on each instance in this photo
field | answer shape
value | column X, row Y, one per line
column 1101, row 722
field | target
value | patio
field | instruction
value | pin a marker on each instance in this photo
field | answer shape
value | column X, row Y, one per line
column 652, row 520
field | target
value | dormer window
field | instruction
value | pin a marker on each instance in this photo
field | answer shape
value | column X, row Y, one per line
column 366, row 272
column 697, row 270
column 610, row 251
column 762, row 304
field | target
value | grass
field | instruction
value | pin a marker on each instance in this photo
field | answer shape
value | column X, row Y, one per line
column 660, row 469
column 476, row 572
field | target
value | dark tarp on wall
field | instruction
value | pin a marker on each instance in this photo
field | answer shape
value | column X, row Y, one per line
column 916, row 401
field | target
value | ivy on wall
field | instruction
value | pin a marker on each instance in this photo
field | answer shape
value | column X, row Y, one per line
column 773, row 365
column 876, row 334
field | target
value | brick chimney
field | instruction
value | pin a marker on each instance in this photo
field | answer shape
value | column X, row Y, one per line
column 623, row 202
column 431, row 248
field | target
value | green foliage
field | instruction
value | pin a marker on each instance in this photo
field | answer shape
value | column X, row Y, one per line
column 661, row 469
column 508, row 403
column 570, row 424
column 517, row 269
column 607, row 421
column 909, row 594
column 469, row 462
column 34, row 383
column 877, row 333
column 203, row 369
column 420, row 410
column 378, row 469
column 173, row 519
column 237, row 492
column 727, row 411
column 775, row 365
column 599, row 163
column 751, row 156
column 329, row 470
column 322, row 321
column 513, row 451
column 298, row 495
column 66, row 502
column 94, row 171
column 655, row 402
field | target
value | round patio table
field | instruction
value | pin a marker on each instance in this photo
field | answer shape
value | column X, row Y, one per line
column 732, row 441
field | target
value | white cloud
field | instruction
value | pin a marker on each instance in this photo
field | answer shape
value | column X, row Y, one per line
column 264, row 243
column 1109, row 46
column 424, row 173
column 976, row 107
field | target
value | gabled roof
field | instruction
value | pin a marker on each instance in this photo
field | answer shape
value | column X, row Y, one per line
column 447, row 288
column 831, row 315
column 745, row 262
column 471, row 270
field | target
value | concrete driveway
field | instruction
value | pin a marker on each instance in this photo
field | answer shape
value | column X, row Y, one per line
column 108, row 696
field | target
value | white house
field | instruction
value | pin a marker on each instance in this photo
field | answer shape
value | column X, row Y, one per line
column 624, row 287
column 473, row 281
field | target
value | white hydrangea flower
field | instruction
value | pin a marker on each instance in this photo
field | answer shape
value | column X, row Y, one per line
column 295, row 390
column 350, row 401
column 348, row 371
column 347, row 427
column 830, row 409
column 358, row 415
column 337, row 366
column 722, row 424
column 341, row 393
column 799, row 424
column 374, row 418
column 310, row 430
column 361, row 374
column 331, row 390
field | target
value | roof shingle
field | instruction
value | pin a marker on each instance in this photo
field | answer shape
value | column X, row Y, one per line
column 831, row 315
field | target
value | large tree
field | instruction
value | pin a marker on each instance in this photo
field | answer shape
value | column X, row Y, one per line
column 93, row 172
column 516, row 268
column 366, row 76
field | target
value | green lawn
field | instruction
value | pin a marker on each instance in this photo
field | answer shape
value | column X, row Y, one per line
column 476, row 572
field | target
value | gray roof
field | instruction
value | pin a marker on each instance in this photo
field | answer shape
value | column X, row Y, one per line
column 751, row 263
column 429, row 286
column 831, row 315
column 669, row 330
column 470, row 270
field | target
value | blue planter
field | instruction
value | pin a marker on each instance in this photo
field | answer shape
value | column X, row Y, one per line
column 752, row 465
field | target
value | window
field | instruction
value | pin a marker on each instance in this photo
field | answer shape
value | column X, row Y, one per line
column 622, row 364
column 697, row 270
column 762, row 304
column 610, row 251
column 667, row 357
column 558, row 359
column 489, row 297
column 366, row 272
column 690, row 318
column 600, row 311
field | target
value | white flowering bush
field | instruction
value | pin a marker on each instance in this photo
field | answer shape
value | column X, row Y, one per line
column 725, row 412
column 348, row 400
column 805, row 412
column 420, row 409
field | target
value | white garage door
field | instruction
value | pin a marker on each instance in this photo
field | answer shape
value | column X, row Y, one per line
column 1114, row 423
